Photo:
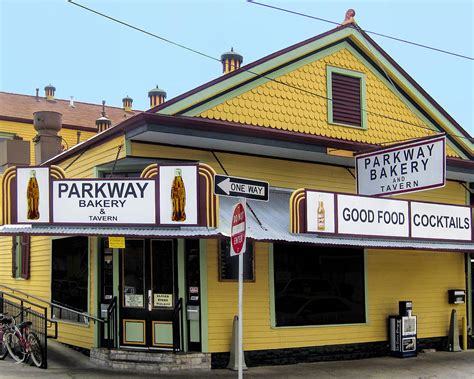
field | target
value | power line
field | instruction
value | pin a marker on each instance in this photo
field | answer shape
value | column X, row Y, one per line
column 252, row 72
column 366, row 31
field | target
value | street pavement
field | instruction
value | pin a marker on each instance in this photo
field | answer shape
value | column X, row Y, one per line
column 67, row 363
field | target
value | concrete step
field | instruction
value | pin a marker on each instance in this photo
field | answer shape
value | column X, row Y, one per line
column 141, row 361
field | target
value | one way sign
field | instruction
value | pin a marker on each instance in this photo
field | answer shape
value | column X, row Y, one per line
column 240, row 187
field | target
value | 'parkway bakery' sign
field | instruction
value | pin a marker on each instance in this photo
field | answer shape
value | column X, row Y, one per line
column 352, row 215
column 166, row 195
column 407, row 167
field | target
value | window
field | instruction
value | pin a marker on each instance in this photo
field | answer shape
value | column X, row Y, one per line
column 229, row 266
column 6, row 135
column 347, row 90
column 69, row 276
column 318, row 286
column 21, row 257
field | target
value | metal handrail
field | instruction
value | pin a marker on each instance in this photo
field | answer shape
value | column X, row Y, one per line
column 112, row 323
column 178, row 329
column 83, row 314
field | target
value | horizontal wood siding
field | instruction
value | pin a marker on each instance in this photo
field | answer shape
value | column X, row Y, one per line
column 290, row 174
column 423, row 277
column 82, row 165
column 39, row 284
column 27, row 132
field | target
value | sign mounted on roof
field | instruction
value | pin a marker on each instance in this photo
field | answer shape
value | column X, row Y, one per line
column 408, row 167
column 328, row 213
column 166, row 195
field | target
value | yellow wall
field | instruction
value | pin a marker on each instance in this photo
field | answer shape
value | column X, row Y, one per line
column 27, row 132
column 83, row 167
column 290, row 174
column 39, row 284
column 276, row 105
column 421, row 276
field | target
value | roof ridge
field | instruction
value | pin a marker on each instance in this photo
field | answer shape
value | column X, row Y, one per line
column 67, row 101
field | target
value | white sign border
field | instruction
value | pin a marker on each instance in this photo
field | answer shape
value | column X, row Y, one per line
column 401, row 147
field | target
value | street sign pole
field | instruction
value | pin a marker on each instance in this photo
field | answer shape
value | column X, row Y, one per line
column 241, row 296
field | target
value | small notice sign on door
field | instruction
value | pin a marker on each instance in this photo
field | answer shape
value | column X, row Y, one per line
column 117, row 242
column 163, row 300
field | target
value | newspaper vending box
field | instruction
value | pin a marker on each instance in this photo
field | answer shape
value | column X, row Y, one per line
column 402, row 328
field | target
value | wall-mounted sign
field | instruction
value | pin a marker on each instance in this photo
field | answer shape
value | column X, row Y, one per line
column 108, row 201
column 165, row 195
column 116, row 243
column 163, row 300
column 33, row 195
column 133, row 300
column 320, row 214
column 347, row 214
column 407, row 167
column 440, row 221
column 178, row 195
column 372, row 217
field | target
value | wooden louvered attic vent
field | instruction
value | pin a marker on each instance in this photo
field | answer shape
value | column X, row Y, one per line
column 346, row 101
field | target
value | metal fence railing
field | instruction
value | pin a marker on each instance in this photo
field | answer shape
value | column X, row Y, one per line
column 29, row 311
column 178, row 326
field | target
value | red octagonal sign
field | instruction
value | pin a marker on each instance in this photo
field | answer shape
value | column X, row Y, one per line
column 237, row 238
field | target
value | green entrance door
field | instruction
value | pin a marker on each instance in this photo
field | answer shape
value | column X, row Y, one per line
column 148, row 289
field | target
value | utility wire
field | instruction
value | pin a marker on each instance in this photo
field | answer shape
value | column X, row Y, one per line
column 255, row 73
column 143, row 31
column 366, row 31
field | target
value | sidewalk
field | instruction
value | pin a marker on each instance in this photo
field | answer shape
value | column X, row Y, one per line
column 67, row 363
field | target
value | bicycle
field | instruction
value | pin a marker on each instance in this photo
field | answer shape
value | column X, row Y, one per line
column 22, row 344
column 5, row 321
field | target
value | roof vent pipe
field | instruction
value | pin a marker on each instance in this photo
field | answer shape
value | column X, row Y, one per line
column 127, row 103
column 49, row 91
column 157, row 96
column 231, row 61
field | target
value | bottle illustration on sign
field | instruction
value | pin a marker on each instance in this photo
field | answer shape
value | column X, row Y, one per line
column 32, row 197
column 178, row 197
column 321, row 216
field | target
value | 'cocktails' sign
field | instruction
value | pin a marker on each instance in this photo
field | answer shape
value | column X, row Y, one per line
column 347, row 214
column 408, row 167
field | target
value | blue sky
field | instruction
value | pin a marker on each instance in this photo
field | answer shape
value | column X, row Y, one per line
column 92, row 59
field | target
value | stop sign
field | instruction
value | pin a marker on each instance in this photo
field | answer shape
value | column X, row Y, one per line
column 237, row 237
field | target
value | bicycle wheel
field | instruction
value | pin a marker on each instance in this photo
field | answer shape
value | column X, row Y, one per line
column 3, row 347
column 15, row 347
column 36, row 351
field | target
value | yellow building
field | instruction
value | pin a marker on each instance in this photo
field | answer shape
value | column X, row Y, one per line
column 294, row 119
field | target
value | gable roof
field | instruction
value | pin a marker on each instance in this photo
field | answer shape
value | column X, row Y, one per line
column 190, row 102
column 17, row 107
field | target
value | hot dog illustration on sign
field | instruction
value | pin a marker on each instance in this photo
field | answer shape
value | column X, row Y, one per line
column 178, row 197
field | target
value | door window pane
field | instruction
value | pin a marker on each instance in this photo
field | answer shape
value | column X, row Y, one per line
column 318, row 285
column 133, row 274
column 162, row 266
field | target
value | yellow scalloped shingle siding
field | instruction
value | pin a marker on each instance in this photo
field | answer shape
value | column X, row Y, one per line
column 279, row 106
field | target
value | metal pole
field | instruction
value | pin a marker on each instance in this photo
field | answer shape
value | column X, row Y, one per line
column 241, row 295
column 241, row 291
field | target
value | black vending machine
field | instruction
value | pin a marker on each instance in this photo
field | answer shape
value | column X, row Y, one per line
column 402, row 329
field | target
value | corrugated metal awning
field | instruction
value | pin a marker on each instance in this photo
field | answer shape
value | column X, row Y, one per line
column 269, row 221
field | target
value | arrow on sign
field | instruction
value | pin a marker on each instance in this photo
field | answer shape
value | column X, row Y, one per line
column 241, row 187
column 225, row 186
